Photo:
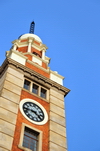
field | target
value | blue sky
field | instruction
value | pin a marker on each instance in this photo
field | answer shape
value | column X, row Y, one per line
column 71, row 30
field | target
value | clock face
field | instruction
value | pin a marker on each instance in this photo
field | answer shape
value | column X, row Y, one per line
column 33, row 111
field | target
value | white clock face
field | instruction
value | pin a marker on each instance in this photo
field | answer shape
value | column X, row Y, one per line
column 33, row 111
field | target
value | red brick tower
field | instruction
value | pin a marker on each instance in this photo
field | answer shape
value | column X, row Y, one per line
column 32, row 114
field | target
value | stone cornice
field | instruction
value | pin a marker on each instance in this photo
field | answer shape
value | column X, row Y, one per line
column 22, row 44
column 33, row 75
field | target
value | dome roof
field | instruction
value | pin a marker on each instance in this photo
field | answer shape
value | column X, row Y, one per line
column 31, row 35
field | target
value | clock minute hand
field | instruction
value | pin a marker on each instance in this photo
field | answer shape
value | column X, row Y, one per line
column 33, row 109
column 39, row 116
column 30, row 108
column 36, row 112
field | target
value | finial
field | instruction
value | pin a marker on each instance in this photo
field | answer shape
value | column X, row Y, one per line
column 32, row 26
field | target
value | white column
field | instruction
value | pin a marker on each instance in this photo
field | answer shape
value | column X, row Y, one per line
column 43, row 54
column 29, row 45
column 15, row 47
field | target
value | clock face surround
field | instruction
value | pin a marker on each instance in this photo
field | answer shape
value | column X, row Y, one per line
column 33, row 111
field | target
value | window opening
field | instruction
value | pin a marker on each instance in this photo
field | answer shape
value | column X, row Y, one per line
column 36, row 54
column 35, row 88
column 30, row 139
column 43, row 93
column 26, row 84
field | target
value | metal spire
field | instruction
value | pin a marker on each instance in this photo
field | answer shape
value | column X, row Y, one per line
column 32, row 26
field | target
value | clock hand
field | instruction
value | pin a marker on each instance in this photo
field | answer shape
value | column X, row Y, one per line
column 40, row 117
column 31, row 109
column 32, row 113
column 34, row 110
column 36, row 113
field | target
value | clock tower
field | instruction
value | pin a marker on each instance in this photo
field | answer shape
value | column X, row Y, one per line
column 32, row 116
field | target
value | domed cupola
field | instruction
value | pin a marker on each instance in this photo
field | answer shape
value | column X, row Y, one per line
column 29, row 47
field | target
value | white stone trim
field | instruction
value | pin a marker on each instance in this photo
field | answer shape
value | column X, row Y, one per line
column 56, row 77
column 16, row 55
column 17, row 58
column 56, row 74
column 39, row 90
column 8, row 53
column 25, row 36
column 22, row 136
column 43, row 109
column 36, row 47
column 33, row 63
column 29, row 47
column 37, row 60
column 43, row 54
column 22, row 45
column 25, row 43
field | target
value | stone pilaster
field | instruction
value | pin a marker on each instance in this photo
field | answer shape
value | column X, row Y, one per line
column 11, row 84
column 57, row 133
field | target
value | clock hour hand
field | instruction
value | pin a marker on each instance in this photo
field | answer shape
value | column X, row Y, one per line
column 32, row 114
column 36, row 112
column 33, row 109
column 30, row 108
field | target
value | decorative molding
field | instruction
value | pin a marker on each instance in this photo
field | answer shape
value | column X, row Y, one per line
column 29, row 73
column 38, row 66
column 22, row 44
column 22, row 135
column 28, row 53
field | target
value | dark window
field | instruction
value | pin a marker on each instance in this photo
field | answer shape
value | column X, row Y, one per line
column 30, row 139
column 26, row 84
column 36, row 54
column 35, row 88
column 43, row 93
